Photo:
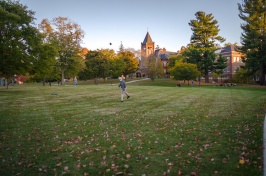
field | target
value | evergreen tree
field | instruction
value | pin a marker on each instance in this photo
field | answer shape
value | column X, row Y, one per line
column 219, row 65
column 253, row 13
column 202, row 43
column 121, row 48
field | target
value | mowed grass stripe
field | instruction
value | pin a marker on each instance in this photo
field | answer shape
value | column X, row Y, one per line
column 86, row 130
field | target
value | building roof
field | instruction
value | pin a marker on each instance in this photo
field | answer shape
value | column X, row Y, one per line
column 227, row 49
column 147, row 38
column 163, row 54
column 230, row 48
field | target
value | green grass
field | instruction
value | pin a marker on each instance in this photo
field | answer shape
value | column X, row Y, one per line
column 161, row 129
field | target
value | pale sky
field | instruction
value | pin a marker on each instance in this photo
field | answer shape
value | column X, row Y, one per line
column 127, row 21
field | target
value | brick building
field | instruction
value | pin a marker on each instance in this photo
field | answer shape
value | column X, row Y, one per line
column 148, row 49
column 233, row 57
column 234, row 60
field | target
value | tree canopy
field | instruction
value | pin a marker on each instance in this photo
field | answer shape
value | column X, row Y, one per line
column 184, row 71
column 106, row 63
column 155, row 67
column 173, row 59
column 131, row 61
column 18, row 39
column 44, row 68
column 253, row 37
column 203, row 42
column 66, row 36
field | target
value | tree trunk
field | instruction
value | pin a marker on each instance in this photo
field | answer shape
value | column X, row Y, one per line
column 262, row 73
column 207, row 77
column 63, row 77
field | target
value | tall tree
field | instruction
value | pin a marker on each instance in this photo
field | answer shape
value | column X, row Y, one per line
column 203, row 42
column 253, row 13
column 155, row 67
column 67, row 37
column 45, row 65
column 117, row 66
column 219, row 65
column 18, row 39
column 121, row 47
column 131, row 61
column 137, row 53
column 173, row 59
column 98, row 63
column 229, row 44
column 242, row 75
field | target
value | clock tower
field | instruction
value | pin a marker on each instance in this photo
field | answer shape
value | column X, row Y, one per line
column 147, row 49
column 147, row 46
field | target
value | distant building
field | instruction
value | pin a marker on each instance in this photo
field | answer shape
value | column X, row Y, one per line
column 164, row 55
column 148, row 49
column 234, row 60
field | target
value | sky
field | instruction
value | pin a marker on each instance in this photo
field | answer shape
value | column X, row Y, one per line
column 128, row 21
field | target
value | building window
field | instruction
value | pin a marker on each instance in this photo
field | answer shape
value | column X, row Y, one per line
column 228, row 59
column 227, row 69
column 235, row 59
column 235, row 68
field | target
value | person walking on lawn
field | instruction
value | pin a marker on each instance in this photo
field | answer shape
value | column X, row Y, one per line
column 123, row 86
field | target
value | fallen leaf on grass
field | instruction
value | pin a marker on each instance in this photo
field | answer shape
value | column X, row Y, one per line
column 114, row 167
column 241, row 161
column 119, row 173
column 225, row 160
column 128, row 156
column 193, row 173
column 103, row 163
column 20, row 163
column 90, row 150
column 30, row 165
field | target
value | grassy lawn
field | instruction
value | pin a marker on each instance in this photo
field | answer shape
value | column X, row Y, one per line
column 160, row 130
